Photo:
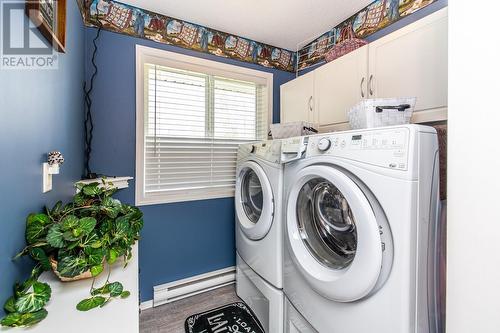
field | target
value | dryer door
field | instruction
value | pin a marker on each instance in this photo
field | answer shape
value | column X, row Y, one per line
column 254, row 201
column 333, row 235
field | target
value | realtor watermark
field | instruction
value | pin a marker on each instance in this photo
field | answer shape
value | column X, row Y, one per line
column 22, row 45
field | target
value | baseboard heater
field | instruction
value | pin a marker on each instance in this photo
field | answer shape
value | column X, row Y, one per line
column 176, row 290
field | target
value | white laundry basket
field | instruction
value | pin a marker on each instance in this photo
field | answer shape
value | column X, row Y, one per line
column 380, row 112
column 291, row 129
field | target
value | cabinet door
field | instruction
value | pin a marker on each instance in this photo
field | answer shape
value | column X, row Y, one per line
column 339, row 85
column 297, row 102
column 413, row 62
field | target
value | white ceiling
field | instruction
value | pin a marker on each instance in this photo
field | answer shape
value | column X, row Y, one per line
column 282, row 23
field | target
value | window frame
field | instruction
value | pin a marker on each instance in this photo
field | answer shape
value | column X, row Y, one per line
column 165, row 58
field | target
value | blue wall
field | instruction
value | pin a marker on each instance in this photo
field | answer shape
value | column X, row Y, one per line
column 182, row 239
column 40, row 111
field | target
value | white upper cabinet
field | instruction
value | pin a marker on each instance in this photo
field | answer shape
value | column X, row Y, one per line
column 339, row 85
column 413, row 62
column 297, row 101
column 410, row 62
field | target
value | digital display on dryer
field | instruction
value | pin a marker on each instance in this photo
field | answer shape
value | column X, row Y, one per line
column 356, row 137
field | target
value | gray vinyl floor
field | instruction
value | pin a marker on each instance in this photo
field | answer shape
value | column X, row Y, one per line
column 169, row 318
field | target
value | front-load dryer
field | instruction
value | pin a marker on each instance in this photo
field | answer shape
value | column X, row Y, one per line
column 361, row 212
column 259, row 231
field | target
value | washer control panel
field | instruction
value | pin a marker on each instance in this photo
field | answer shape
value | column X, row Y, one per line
column 324, row 144
column 385, row 147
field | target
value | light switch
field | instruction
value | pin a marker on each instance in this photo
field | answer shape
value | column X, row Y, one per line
column 54, row 160
column 47, row 178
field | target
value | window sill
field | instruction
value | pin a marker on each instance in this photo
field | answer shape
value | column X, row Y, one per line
column 118, row 182
column 177, row 198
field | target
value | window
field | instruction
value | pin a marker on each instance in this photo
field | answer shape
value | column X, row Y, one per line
column 191, row 116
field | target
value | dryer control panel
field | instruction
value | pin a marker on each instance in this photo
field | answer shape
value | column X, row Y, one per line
column 266, row 150
column 384, row 147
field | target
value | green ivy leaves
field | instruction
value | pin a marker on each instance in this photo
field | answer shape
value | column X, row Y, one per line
column 112, row 288
column 90, row 303
column 101, row 291
column 125, row 294
column 35, row 300
column 10, row 305
column 111, row 207
column 84, row 235
column 39, row 255
column 102, row 295
column 70, row 230
column 55, row 236
column 71, row 266
column 86, row 225
column 23, row 319
column 94, row 256
column 112, row 256
column 96, row 270
column 26, row 307
column 36, row 227
column 69, row 222
column 92, row 190
column 115, row 289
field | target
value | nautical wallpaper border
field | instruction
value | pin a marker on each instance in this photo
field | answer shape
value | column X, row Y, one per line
column 338, row 41
column 137, row 22
column 351, row 33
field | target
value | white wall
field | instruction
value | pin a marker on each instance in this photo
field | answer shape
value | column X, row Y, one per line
column 474, row 168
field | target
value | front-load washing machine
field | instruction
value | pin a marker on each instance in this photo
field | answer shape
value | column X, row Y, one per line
column 259, row 231
column 361, row 212
column 294, row 322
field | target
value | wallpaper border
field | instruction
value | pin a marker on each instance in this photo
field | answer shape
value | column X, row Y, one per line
column 352, row 32
column 137, row 22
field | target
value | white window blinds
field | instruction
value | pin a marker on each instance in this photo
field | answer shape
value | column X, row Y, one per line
column 193, row 124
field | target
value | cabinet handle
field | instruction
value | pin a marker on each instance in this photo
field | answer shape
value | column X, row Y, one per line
column 370, row 85
column 361, row 86
column 309, row 103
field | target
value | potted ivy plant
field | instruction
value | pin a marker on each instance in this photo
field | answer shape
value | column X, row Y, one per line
column 76, row 241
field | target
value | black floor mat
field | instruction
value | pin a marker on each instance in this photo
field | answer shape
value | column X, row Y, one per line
column 231, row 318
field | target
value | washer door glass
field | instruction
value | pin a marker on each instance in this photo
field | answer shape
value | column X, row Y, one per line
column 251, row 195
column 332, row 233
column 326, row 223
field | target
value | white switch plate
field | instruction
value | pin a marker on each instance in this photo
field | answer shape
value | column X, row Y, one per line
column 47, row 178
